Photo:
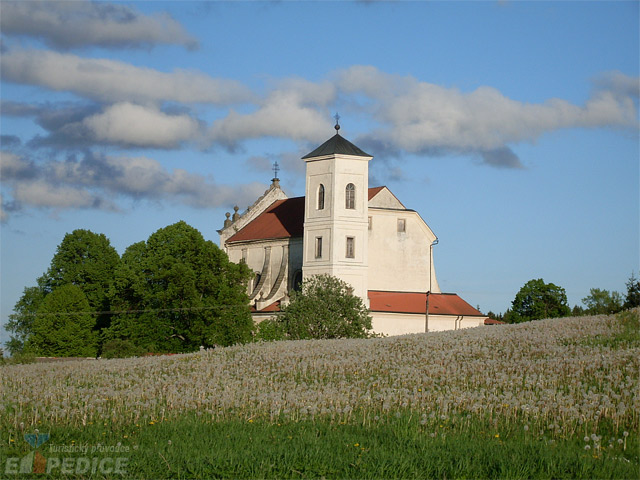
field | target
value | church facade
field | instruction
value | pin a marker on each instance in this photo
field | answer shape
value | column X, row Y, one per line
column 344, row 228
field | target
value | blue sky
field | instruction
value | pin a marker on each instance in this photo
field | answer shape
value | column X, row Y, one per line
column 511, row 127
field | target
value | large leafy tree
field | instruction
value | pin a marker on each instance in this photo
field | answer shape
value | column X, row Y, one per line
column 63, row 326
column 84, row 259
column 602, row 302
column 537, row 300
column 88, row 260
column 177, row 292
column 325, row 308
column 20, row 322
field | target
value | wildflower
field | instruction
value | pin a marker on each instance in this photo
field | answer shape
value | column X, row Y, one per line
column 587, row 447
column 497, row 435
column 356, row 444
column 526, row 428
column 586, row 439
column 169, row 442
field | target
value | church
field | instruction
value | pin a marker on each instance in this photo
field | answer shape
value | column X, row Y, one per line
column 342, row 227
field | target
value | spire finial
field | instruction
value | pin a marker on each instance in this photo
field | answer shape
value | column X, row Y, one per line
column 337, row 126
column 276, row 169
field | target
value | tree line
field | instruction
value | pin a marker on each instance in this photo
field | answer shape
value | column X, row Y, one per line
column 537, row 300
column 173, row 293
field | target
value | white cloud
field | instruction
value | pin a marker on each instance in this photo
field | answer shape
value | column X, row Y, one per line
column 4, row 216
column 135, row 125
column 41, row 193
column 84, row 23
column 115, row 81
column 97, row 181
column 418, row 116
column 296, row 109
column 13, row 166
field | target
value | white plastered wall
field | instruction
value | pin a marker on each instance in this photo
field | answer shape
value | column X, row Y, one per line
column 400, row 261
column 403, row 323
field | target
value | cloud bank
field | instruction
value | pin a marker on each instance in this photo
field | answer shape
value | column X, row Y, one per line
column 80, row 23
column 95, row 181
column 114, row 106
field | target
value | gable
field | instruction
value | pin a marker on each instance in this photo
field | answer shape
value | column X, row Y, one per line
column 381, row 197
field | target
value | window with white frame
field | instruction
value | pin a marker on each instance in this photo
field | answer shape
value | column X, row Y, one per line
column 351, row 247
column 350, row 196
column 321, row 197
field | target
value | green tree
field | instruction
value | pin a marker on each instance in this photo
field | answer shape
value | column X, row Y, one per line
column 182, row 293
column 84, row 259
column 633, row 293
column 600, row 302
column 325, row 308
column 21, row 320
column 62, row 327
column 537, row 300
column 88, row 260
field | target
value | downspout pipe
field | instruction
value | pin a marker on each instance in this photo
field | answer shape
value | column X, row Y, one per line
column 426, row 319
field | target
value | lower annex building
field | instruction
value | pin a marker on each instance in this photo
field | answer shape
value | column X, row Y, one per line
column 344, row 228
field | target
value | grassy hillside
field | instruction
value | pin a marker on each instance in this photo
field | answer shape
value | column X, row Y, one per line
column 547, row 398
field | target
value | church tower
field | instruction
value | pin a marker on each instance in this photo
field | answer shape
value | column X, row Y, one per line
column 336, row 218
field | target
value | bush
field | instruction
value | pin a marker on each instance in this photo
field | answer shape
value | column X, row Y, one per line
column 120, row 349
column 325, row 308
column 270, row 330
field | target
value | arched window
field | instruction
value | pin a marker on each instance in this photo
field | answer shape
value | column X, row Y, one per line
column 350, row 196
column 321, row 197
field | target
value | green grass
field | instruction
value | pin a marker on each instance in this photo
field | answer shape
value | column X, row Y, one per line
column 401, row 446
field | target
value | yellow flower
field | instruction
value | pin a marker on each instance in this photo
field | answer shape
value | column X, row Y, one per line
column 12, row 440
column 356, row 444
column 497, row 435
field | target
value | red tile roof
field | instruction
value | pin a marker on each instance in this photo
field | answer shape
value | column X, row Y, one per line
column 274, row 307
column 415, row 302
column 492, row 321
column 374, row 191
column 283, row 219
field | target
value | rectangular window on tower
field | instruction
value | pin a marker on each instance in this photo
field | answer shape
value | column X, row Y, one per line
column 318, row 247
column 402, row 225
column 370, row 223
column 351, row 247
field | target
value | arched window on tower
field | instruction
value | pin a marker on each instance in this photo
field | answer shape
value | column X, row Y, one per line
column 350, row 196
column 321, row 197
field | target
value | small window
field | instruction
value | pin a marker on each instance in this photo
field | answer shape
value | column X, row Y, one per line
column 321, row 197
column 350, row 196
column 370, row 223
column 318, row 247
column 402, row 225
column 244, row 255
column 351, row 247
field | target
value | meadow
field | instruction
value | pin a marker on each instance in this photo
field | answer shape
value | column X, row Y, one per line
column 550, row 398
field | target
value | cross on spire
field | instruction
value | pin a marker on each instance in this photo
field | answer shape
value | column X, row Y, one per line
column 337, row 117
column 276, row 169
